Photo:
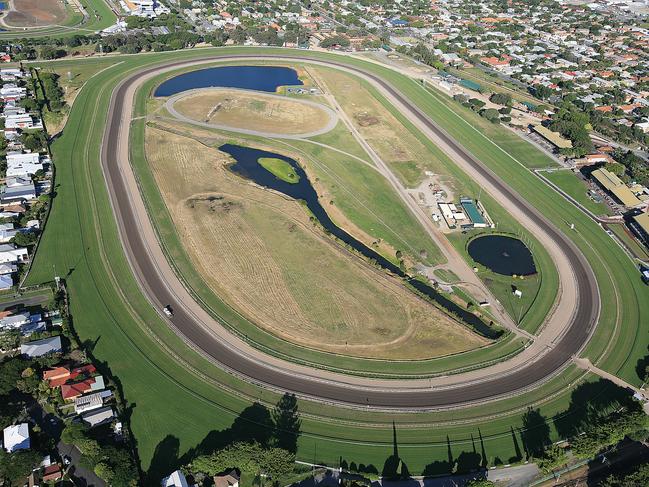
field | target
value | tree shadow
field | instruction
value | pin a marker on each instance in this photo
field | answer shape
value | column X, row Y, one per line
column 165, row 458
column 535, row 433
column 394, row 468
column 589, row 402
column 441, row 467
column 518, row 455
column 642, row 368
column 287, row 423
column 255, row 423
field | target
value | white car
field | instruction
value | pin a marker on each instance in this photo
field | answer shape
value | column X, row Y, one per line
column 167, row 310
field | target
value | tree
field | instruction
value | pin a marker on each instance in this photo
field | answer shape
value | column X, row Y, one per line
column 491, row 114
column 25, row 239
column 14, row 467
column 501, row 99
column 250, row 458
column 105, row 471
column 287, row 423
column 480, row 483
column 11, row 370
column 335, row 40
column 638, row 476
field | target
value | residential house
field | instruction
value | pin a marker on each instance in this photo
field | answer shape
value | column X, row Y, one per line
column 17, row 193
column 12, row 321
column 11, row 254
column 98, row 416
column 38, row 348
column 7, row 232
column 22, row 165
column 70, row 392
column 228, row 479
column 52, row 473
column 91, row 401
column 176, row 479
column 6, row 282
column 16, row 437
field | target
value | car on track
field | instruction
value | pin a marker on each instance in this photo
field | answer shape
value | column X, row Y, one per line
column 168, row 311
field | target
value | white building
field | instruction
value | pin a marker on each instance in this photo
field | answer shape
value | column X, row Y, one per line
column 89, row 402
column 10, row 254
column 22, row 121
column 16, row 437
column 38, row 348
column 176, row 479
column 22, row 165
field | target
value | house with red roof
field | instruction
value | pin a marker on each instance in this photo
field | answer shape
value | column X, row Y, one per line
column 58, row 376
column 70, row 392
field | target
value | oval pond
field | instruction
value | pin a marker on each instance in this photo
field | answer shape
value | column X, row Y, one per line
column 503, row 255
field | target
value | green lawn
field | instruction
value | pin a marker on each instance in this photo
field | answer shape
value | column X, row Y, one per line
column 280, row 169
column 181, row 401
column 639, row 250
column 575, row 187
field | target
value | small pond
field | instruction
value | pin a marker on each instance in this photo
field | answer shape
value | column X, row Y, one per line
column 247, row 165
column 259, row 78
column 503, row 255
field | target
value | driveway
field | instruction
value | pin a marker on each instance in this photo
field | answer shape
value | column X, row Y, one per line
column 53, row 426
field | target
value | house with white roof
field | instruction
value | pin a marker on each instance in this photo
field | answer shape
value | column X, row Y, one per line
column 98, row 416
column 17, row 193
column 6, row 282
column 38, row 348
column 10, row 254
column 176, row 479
column 22, row 121
column 21, row 165
column 16, row 437
column 14, row 321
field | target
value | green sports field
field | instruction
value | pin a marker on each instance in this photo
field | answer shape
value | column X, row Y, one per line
column 182, row 403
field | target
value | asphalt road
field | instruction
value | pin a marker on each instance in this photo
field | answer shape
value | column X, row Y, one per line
column 576, row 335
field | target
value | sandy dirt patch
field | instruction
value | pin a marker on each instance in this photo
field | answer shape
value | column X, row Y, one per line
column 35, row 13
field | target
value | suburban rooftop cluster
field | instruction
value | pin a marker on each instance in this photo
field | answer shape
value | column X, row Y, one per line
column 25, row 169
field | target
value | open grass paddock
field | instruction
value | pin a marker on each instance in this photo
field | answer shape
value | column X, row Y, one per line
column 259, row 251
column 181, row 402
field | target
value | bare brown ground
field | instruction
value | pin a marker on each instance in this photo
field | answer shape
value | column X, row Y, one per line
column 252, row 111
column 35, row 13
column 259, row 252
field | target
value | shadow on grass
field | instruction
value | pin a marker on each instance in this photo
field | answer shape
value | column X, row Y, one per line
column 256, row 423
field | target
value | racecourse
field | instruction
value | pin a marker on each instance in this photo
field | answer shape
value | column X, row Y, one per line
column 79, row 239
column 547, row 355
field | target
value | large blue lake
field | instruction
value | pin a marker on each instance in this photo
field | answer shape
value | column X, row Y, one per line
column 247, row 166
column 260, row 78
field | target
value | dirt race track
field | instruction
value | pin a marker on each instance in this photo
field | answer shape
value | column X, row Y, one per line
column 35, row 13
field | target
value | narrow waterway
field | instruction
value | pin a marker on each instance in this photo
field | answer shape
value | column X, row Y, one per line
column 247, row 166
